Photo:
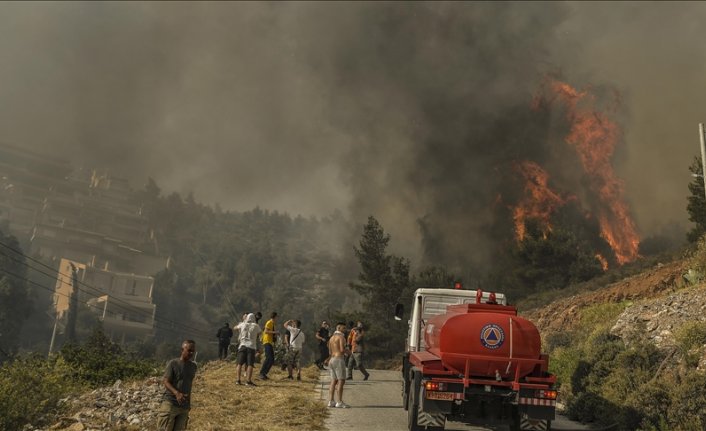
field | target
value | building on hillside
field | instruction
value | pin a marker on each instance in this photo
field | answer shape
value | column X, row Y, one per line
column 81, row 214
column 26, row 178
column 93, row 219
column 93, row 249
column 122, row 302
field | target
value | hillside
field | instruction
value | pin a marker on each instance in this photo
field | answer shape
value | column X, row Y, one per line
column 218, row 404
column 564, row 314
column 632, row 354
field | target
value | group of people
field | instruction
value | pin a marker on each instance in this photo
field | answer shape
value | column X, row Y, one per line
column 341, row 351
column 250, row 336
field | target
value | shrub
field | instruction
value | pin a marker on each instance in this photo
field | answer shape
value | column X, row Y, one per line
column 101, row 362
column 652, row 400
column 689, row 337
column 590, row 407
column 30, row 388
column 687, row 411
column 563, row 363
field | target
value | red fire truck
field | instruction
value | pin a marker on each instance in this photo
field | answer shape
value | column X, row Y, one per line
column 470, row 358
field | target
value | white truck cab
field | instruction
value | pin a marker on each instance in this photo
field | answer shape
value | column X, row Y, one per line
column 430, row 302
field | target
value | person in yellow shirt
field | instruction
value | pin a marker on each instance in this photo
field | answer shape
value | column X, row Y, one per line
column 269, row 336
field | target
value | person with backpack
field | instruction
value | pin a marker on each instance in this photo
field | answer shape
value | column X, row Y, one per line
column 296, row 343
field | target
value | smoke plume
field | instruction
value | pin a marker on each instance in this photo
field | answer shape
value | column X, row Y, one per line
column 412, row 112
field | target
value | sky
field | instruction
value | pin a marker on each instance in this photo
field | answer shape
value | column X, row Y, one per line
column 399, row 110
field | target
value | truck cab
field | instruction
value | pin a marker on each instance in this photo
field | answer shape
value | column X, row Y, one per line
column 429, row 302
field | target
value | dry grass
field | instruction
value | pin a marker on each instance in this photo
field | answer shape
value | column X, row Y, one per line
column 277, row 404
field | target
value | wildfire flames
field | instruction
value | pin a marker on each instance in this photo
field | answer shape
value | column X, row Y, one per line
column 539, row 201
column 593, row 136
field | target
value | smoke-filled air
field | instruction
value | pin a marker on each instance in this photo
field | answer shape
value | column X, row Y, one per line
column 455, row 124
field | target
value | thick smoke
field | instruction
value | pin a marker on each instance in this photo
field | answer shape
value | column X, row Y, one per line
column 411, row 112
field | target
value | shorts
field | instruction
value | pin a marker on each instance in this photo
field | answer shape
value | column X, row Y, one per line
column 292, row 357
column 246, row 355
column 337, row 368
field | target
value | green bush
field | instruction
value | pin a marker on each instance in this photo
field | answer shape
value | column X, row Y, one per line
column 101, row 362
column 30, row 388
column 563, row 363
column 653, row 401
column 590, row 407
column 691, row 336
column 688, row 397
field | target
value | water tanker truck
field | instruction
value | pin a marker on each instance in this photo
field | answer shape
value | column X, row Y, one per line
column 470, row 358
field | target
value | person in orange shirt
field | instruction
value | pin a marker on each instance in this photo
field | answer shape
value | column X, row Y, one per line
column 357, row 341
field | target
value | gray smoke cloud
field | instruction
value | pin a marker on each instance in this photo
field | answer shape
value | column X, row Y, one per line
column 400, row 110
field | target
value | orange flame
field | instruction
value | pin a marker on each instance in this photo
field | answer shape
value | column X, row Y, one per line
column 594, row 136
column 539, row 200
column 603, row 261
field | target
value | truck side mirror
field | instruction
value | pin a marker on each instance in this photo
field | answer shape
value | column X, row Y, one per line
column 399, row 311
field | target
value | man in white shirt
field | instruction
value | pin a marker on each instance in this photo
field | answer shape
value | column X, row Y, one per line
column 296, row 342
column 248, row 336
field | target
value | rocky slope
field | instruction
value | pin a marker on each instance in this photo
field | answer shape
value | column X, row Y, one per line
column 661, row 300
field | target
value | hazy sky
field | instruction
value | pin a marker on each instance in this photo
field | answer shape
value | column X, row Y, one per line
column 393, row 109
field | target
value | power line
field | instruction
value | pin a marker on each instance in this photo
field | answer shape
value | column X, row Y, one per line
column 95, row 291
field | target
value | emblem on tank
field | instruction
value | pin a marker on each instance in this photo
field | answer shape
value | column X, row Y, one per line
column 492, row 336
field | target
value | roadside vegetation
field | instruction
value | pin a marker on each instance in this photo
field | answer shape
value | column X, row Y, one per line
column 605, row 381
column 31, row 387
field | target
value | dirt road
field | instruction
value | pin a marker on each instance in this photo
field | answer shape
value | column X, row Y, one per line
column 376, row 405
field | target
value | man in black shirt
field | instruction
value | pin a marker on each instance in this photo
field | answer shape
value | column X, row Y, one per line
column 323, row 336
column 224, row 335
column 173, row 413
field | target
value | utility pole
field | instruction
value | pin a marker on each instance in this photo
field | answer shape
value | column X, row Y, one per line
column 73, row 306
column 703, row 154
column 53, row 333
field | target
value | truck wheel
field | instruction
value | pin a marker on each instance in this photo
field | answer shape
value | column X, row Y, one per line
column 412, row 406
column 412, row 413
column 515, row 421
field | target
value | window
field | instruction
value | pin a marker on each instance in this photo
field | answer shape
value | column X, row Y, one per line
column 131, row 289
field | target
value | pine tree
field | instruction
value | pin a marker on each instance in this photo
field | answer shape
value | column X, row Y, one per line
column 696, row 205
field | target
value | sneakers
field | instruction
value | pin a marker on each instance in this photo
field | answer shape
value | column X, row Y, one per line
column 290, row 377
column 367, row 376
column 261, row 377
column 331, row 404
column 238, row 383
column 342, row 405
column 250, row 384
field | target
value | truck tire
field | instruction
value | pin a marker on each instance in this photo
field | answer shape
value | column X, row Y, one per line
column 413, row 401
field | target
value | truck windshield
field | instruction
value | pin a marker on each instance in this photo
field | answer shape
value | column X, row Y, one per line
column 434, row 305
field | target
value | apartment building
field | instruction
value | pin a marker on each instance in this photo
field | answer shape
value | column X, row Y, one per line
column 121, row 301
column 92, row 219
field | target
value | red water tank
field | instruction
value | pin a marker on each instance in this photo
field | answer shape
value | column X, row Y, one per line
column 491, row 336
